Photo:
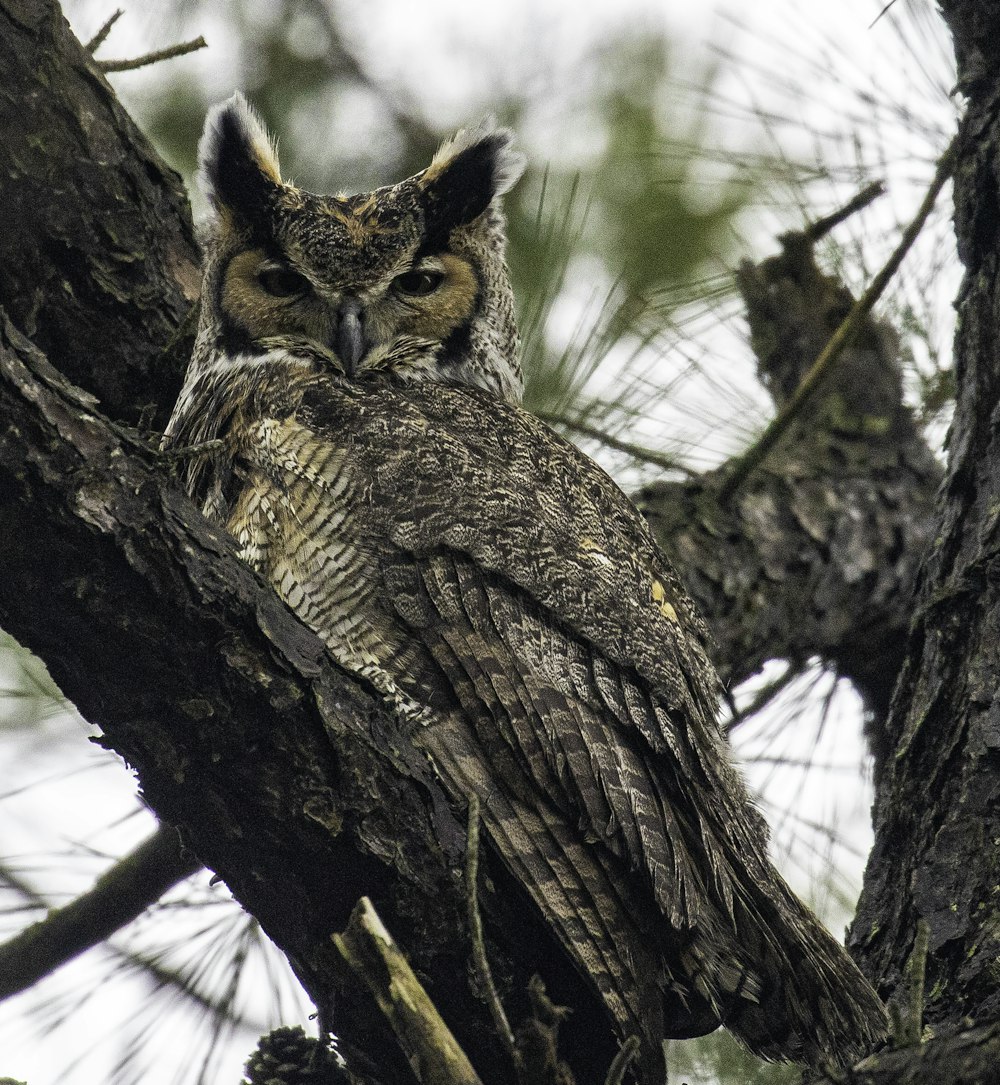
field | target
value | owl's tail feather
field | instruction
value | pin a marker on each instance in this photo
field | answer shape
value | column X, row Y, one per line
column 781, row 983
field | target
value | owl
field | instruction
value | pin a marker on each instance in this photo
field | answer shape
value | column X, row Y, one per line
column 356, row 365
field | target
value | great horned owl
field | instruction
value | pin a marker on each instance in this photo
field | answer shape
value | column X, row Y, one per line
column 357, row 355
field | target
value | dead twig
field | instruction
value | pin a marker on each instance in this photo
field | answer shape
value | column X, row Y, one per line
column 637, row 452
column 821, row 227
column 101, row 36
column 154, row 57
column 479, row 959
column 369, row 951
column 622, row 1061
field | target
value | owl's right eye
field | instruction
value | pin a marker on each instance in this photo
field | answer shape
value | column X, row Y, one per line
column 282, row 282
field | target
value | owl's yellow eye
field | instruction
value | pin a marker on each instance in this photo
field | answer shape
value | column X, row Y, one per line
column 282, row 282
column 415, row 284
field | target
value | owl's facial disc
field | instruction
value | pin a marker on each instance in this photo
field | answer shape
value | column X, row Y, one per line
column 421, row 300
column 263, row 297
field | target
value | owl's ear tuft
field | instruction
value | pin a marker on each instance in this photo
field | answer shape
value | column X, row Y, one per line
column 239, row 169
column 467, row 173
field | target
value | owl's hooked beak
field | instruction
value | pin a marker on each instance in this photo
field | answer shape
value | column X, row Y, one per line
column 348, row 336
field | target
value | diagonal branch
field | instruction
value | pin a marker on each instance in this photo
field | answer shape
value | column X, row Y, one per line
column 370, row 952
column 846, row 332
column 118, row 897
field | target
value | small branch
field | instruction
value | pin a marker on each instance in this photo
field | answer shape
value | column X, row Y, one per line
column 881, row 13
column 821, row 227
column 840, row 339
column 369, row 951
column 117, row 897
column 185, row 47
column 479, row 958
column 101, row 36
column 763, row 696
column 622, row 1061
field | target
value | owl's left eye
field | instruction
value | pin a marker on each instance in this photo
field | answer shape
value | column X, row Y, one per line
column 417, row 283
column 282, row 282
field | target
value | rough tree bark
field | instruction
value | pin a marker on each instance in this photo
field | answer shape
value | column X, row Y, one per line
column 937, row 814
column 281, row 773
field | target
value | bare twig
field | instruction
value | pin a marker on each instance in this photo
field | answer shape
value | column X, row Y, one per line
column 155, row 57
column 622, row 1061
column 840, row 339
column 101, row 36
column 479, row 958
column 821, row 227
column 369, row 951
column 763, row 697
column 189, row 452
column 116, row 898
column 881, row 13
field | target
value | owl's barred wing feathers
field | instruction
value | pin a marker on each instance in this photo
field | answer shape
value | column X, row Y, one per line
column 587, row 702
column 357, row 358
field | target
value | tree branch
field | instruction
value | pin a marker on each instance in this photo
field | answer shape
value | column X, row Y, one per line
column 818, row 554
column 370, row 953
column 845, row 333
column 156, row 57
column 118, row 897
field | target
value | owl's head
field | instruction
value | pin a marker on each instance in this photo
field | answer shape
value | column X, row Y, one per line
column 409, row 279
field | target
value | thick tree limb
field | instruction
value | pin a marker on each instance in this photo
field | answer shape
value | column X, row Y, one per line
column 817, row 554
column 937, row 816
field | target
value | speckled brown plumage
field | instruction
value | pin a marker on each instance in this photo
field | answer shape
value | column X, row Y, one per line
column 500, row 591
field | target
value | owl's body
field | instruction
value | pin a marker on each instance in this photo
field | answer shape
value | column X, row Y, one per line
column 358, row 358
